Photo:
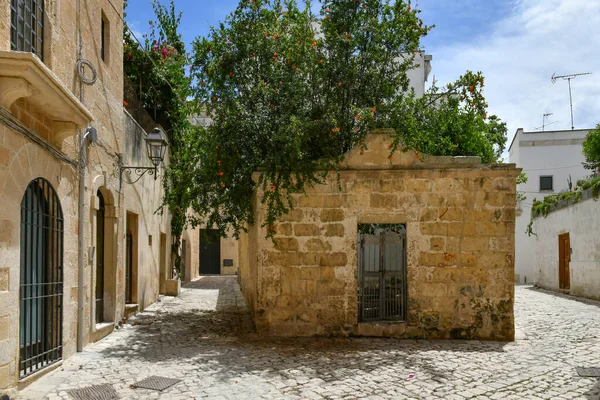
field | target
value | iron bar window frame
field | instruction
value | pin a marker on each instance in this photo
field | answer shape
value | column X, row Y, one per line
column 379, row 305
column 45, row 222
column 27, row 26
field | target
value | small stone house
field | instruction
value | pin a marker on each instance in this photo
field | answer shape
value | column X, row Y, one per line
column 413, row 247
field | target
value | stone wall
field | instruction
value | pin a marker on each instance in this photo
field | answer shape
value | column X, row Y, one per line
column 459, row 218
column 582, row 222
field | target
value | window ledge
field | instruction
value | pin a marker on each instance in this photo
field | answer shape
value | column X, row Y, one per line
column 23, row 75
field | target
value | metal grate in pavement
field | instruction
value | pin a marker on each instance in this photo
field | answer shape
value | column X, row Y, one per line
column 588, row 372
column 96, row 392
column 156, row 383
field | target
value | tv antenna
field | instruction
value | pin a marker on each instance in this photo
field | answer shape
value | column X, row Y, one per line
column 568, row 78
column 544, row 120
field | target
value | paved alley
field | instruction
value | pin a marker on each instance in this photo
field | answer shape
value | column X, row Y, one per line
column 205, row 338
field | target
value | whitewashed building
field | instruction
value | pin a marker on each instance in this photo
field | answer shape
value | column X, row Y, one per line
column 549, row 159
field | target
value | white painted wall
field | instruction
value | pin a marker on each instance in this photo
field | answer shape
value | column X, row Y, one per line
column 554, row 153
column 420, row 74
column 582, row 222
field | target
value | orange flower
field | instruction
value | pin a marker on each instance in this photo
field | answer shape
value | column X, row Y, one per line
column 328, row 10
column 339, row 83
column 275, row 55
column 125, row 103
column 221, row 173
column 232, row 74
column 313, row 44
column 203, row 83
column 362, row 152
column 219, row 162
column 299, row 41
column 321, row 61
column 222, row 185
column 217, row 147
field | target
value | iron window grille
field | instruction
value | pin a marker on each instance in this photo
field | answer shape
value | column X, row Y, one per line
column 41, row 288
column 546, row 183
column 27, row 26
column 382, row 272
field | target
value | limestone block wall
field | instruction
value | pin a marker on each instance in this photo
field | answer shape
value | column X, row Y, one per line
column 459, row 218
column 582, row 222
column 22, row 161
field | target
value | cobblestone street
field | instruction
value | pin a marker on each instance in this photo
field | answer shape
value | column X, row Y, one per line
column 205, row 338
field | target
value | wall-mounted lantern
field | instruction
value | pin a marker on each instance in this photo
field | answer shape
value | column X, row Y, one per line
column 156, row 145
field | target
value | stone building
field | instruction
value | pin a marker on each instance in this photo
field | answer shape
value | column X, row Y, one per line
column 405, row 247
column 45, row 109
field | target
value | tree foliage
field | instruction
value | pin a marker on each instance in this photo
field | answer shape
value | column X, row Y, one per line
column 289, row 92
column 591, row 149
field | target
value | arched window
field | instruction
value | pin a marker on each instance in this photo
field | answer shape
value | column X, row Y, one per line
column 41, row 294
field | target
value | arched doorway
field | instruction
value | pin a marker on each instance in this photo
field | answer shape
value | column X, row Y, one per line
column 104, row 275
column 41, row 291
column 100, row 258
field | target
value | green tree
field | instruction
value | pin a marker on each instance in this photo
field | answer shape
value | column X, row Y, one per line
column 591, row 149
column 289, row 92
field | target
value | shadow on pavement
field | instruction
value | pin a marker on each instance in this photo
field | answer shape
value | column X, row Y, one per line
column 226, row 342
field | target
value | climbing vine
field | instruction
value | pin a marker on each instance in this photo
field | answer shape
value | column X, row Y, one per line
column 157, row 70
column 543, row 207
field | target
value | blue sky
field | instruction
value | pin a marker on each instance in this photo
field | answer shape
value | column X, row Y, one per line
column 456, row 20
column 517, row 44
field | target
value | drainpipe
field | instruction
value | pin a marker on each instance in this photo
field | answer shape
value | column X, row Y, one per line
column 81, row 207
column 80, row 250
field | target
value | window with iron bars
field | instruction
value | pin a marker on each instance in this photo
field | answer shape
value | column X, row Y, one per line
column 381, row 272
column 27, row 26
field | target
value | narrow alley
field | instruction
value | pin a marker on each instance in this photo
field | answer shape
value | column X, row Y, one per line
column 205, row 339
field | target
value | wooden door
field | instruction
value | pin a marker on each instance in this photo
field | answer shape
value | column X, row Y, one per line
column 100, row 259
column 564, row 258
column 210, row 252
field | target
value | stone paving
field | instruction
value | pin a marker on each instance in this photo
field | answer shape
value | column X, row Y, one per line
column 205, row 338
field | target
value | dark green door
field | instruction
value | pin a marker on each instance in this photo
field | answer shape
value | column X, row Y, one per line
column 210, row 252
column 100, row 259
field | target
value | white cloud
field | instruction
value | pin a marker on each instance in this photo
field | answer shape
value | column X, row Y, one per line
column 522, row 51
